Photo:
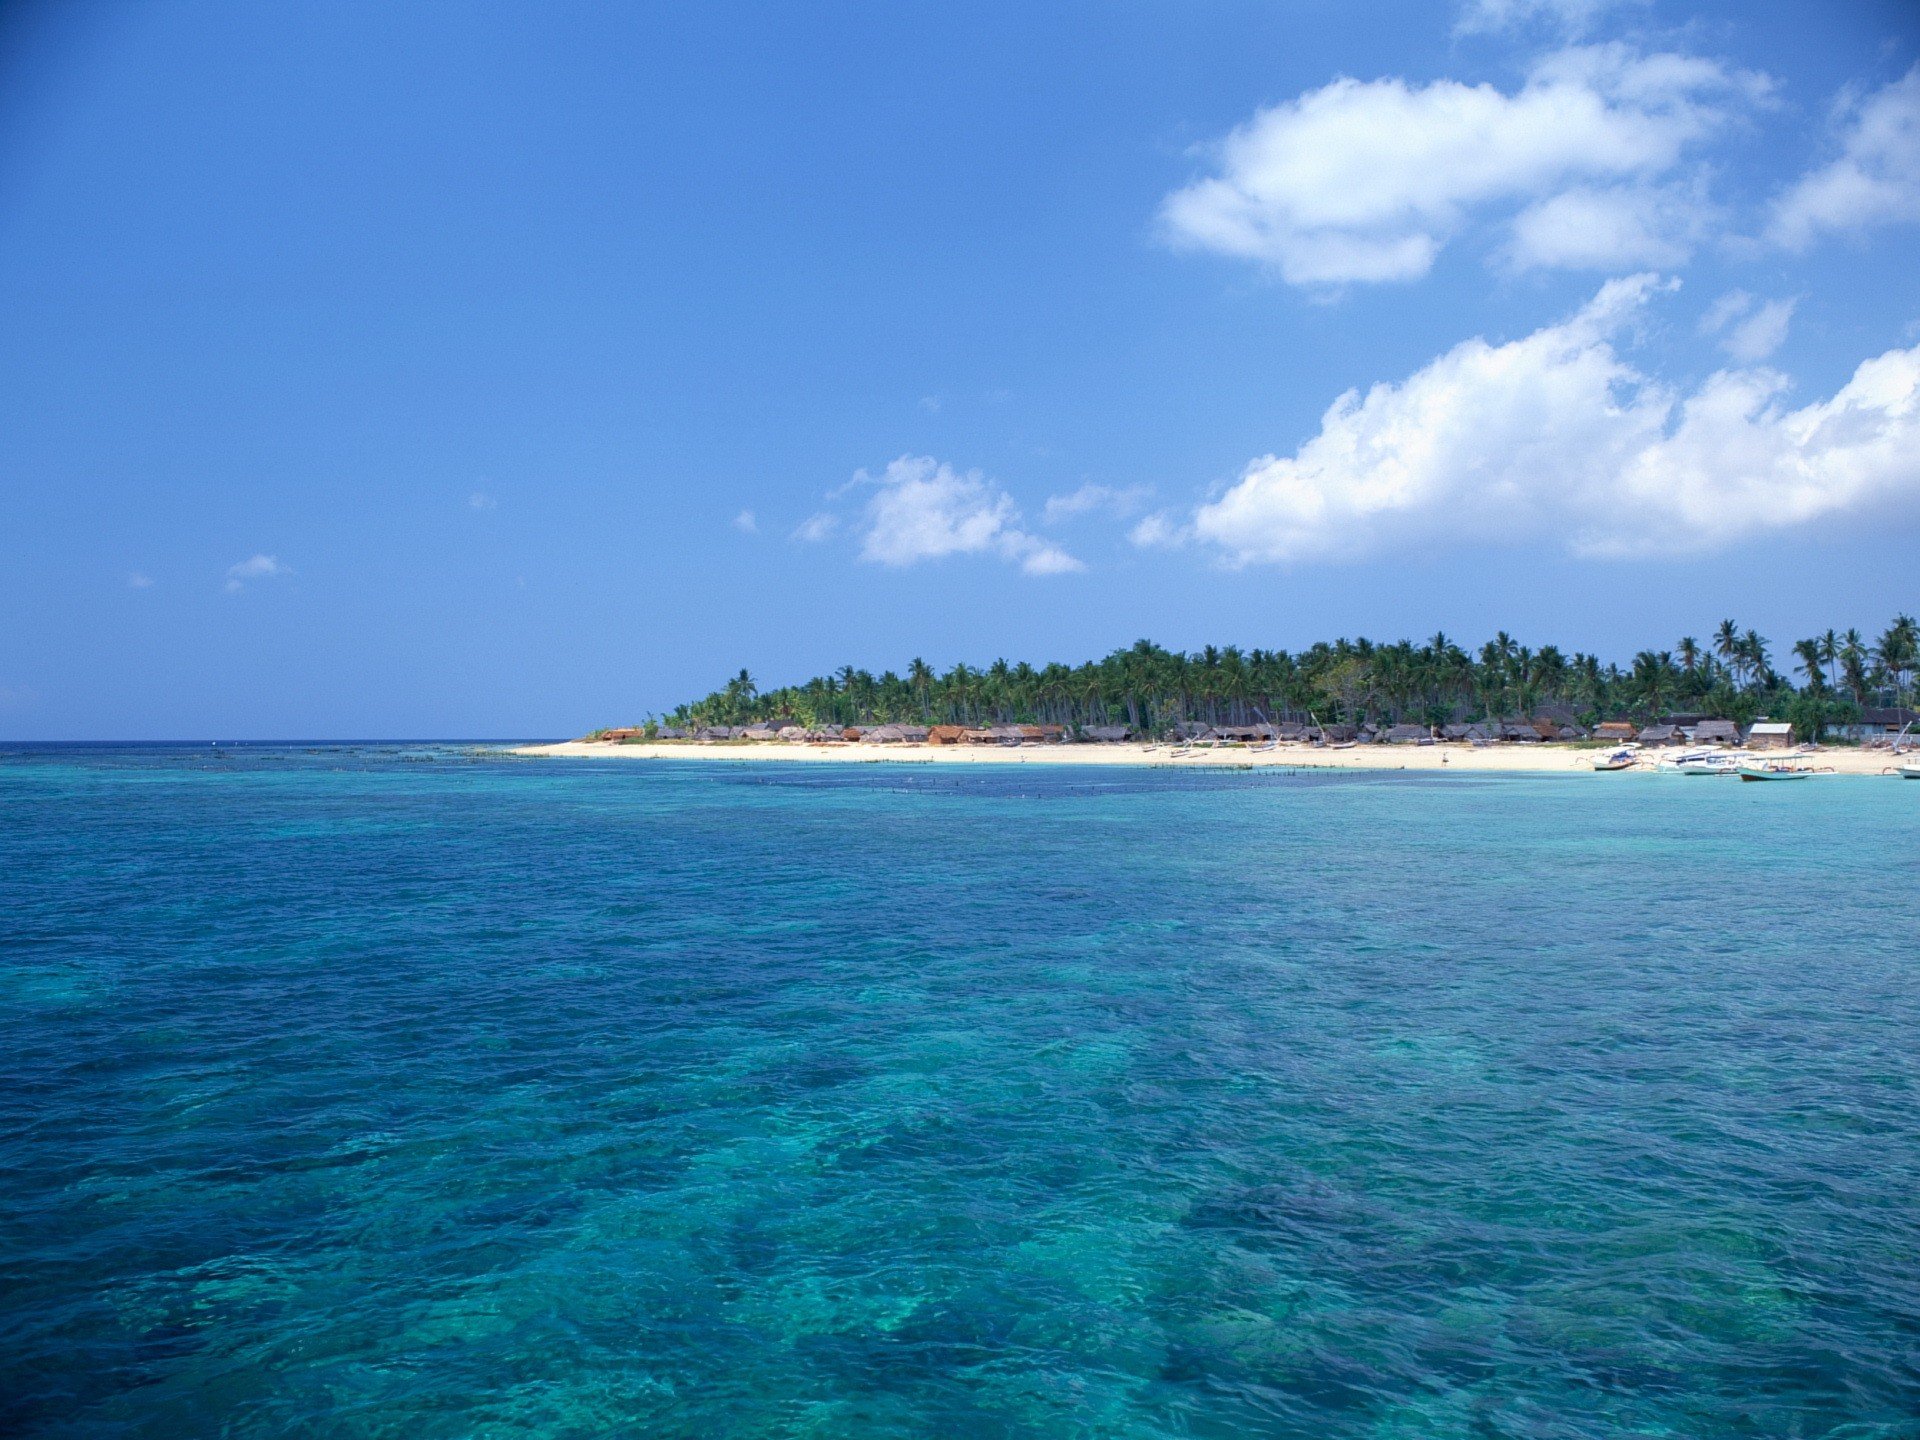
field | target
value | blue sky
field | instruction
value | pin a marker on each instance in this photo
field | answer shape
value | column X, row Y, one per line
column 507, row 370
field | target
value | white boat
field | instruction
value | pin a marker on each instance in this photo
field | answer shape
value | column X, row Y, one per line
column 1910, row 772
column 1618, row 760
column 1774, row 772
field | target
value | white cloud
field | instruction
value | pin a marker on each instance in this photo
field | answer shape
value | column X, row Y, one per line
column 138, row 580
column 1610, row 227
column 1566, row 17
column 1748, row 334
column 745, row 523
column 1090, row 498
column 930, row 404
column 1875, row 179
column 1554, row 439
column 924, row 510
column 815, row 528
column 1761, row 333
column 1159, row 531
column 1367, row 181
column 258, row 567
column 480, row 500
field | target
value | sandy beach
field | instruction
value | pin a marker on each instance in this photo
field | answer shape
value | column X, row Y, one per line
column 1462, row 759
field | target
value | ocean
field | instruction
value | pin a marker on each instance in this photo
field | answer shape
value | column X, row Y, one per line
column 365, row 1091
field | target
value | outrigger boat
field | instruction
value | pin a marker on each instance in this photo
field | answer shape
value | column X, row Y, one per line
column 1776, row 772
column 1618, row 760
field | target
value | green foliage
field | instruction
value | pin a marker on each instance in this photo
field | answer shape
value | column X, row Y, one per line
column 1435, row 682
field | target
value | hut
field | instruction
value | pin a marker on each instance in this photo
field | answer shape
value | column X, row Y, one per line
column 1290, row 730
column 1660, row 735
column 946, row 734
column 1715, row 732
column 830, row 735
column 1615, row 730
column 1520, row 732
column 791, row 733
column 1770, row 735
column 1336, row 734
column 855, row 732
column 758, row 732
column 1407, row 735
column 1478, row 730
column 622, row 735
column 1106, row 734
column 1880, row 722
column 670, row 732
column 1239, row 734
column 885, row 735
column 714, row 732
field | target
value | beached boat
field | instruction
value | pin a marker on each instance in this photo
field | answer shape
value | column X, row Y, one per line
column 1618, row 760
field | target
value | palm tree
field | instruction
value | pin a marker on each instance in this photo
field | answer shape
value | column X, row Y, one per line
column 1726, row 644
column 1811, row 655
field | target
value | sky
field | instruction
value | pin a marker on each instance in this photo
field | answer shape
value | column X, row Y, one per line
column 507, row 370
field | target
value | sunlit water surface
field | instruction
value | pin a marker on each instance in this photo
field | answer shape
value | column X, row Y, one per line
column 359, row 1091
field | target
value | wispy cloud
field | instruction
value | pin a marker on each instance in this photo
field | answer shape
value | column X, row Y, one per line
column 1121, row 503
column 1561, row 17
column 480, row 500
column 257, row 567
column 815, row 528
column 745, row 523
column 1874, row 180
column 136, row 580
column 1749, row 330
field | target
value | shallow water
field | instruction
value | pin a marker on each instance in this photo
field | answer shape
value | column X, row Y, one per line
column 358, row 1091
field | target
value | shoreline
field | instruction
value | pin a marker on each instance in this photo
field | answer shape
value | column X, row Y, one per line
column 1542, row 759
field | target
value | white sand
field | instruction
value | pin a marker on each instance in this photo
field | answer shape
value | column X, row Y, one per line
column 1549, row 759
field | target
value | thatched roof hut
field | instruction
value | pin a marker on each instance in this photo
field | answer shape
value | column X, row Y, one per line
column 671, row 732
column 946, row 734
column 1407, row 735
column 1660, row 735
column 715, row 732
column 1106, row 734
column 1615, row 730
column 1716, row 732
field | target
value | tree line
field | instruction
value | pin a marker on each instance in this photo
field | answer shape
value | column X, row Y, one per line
column 1822, row 680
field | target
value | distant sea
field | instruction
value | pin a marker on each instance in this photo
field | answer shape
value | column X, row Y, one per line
column 419, row 1091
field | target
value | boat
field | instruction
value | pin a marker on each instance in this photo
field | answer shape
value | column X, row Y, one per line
column 1705, row 765
column 1774, row 772
column 1618, row 760
column 1910, row 772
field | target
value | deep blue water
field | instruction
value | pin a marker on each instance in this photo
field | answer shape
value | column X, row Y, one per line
column 378, row 1092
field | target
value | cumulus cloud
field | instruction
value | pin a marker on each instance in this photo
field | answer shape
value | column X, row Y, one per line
column 815, row 528
column 1095, row 499
column 924, row 509
column 745, row 523
column 1368, row 180
column 1749, row 331
column 1555, row 439
column 258, row 567
column 1874, row 180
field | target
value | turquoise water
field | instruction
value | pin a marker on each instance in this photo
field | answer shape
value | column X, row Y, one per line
column 378, row 1092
